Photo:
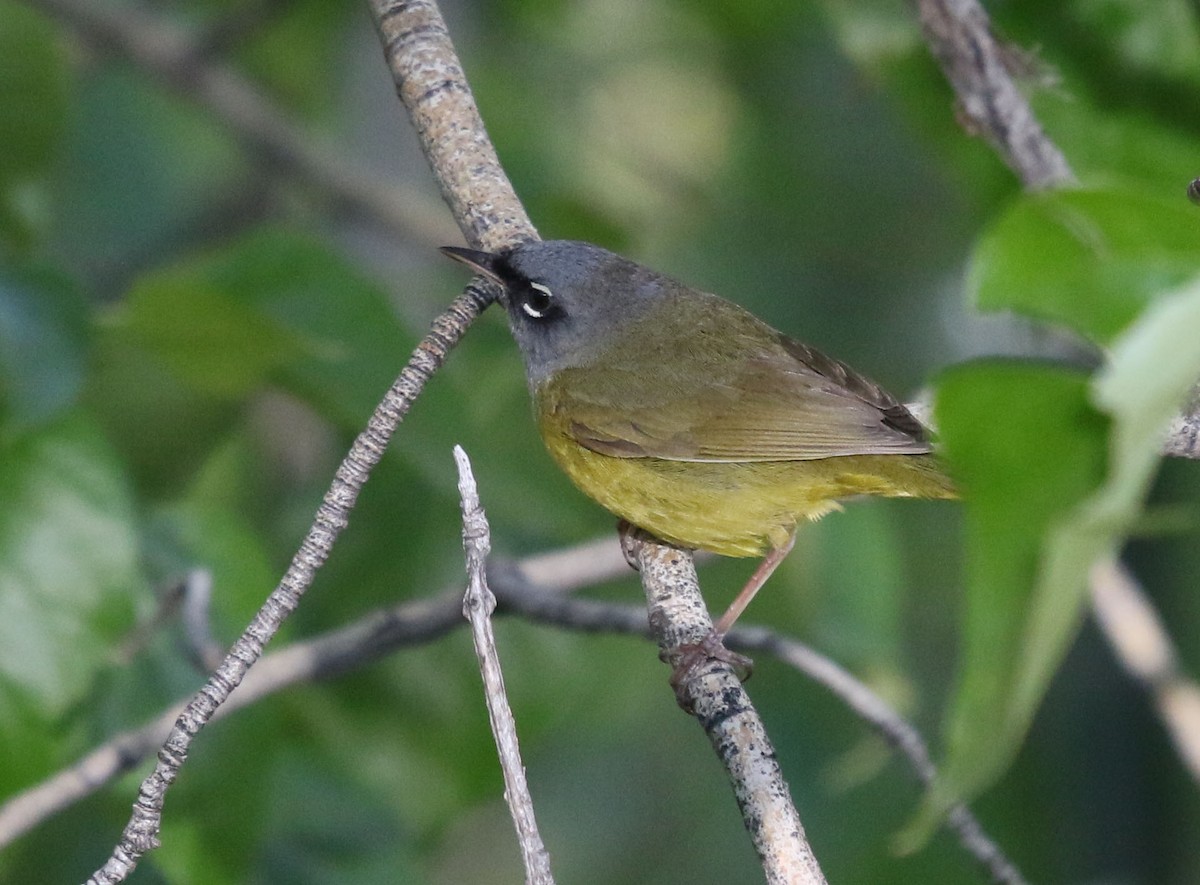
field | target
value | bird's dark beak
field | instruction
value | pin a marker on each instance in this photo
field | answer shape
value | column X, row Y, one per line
column 480, row 262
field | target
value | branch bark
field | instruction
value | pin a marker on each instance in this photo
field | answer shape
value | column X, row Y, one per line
column 430, row 81
column 431, row 84
column 1141, row 644
column 141, row 833
column 415, row 41
column 537, row 588
column 339, row 651
column 478, row 605
column 713, row 693
column 979, row 68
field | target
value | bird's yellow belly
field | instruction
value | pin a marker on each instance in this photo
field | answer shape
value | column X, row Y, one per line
column 739, row 508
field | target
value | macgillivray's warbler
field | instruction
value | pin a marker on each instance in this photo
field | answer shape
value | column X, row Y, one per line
column 687, row 416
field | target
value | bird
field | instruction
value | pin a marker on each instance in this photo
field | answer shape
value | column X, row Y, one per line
column 687, row 416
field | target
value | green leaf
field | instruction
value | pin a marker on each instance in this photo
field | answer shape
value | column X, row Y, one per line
column 33, row 112
column 295, row 53
column 1106, row 145
column 143, row 173
column 274, row 307
column 1160, row 37
column 1090, row 259
column 68, row 562
column 1026, row 448
column 43, row 346
column 1047, row 496
column 212, row 341
column 1152, row 370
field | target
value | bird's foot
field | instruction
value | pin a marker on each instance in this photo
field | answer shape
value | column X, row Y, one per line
column 694, row 655
column 630, row 537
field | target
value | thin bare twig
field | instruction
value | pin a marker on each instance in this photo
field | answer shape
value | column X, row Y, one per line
column 419, row 51
column 195, row 613
column 890, row 725
column 167, row 52
column 478, row 605
column 141, row 833
column 582, row 614
column 978, row 67
column 1140, row 642
column 435, row 93
column 403, row 23
column 324, row 657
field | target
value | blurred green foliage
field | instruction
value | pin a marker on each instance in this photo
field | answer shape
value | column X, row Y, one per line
column 189, row 339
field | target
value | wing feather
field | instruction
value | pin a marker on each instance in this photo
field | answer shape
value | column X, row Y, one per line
column 742, row 399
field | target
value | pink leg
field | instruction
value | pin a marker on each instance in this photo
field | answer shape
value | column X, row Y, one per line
column 761, row 574
column 712, row 646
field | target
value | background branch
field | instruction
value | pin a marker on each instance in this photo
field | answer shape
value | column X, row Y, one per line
column 327, row 656
column 141, row 833
column 1141, row 644
column 990, row 104
column 551, row 197
column 166, row 51
column 536, row 588
column 446, row 116
column 980, row 69
column 430, row 83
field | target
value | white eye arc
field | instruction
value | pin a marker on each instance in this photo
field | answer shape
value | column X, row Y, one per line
column 538, row 311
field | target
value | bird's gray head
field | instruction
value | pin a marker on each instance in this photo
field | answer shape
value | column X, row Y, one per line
column 566, row 299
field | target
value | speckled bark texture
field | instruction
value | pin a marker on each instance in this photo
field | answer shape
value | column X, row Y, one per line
column 715, row 696
column 430, row 82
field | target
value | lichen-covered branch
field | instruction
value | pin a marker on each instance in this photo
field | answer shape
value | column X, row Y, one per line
column 713, row 693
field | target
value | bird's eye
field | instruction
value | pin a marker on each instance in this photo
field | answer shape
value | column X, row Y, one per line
column 537, row 300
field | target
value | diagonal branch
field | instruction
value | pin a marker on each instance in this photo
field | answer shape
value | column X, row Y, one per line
column 415, row 41
column 431, row 83
column 1141, row 643
column 713, row 692
column 323, row 657
column 979, row 68
column 141, row 833
column 990, row 103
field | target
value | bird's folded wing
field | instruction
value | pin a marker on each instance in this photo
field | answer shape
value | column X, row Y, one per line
column 790, row 403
